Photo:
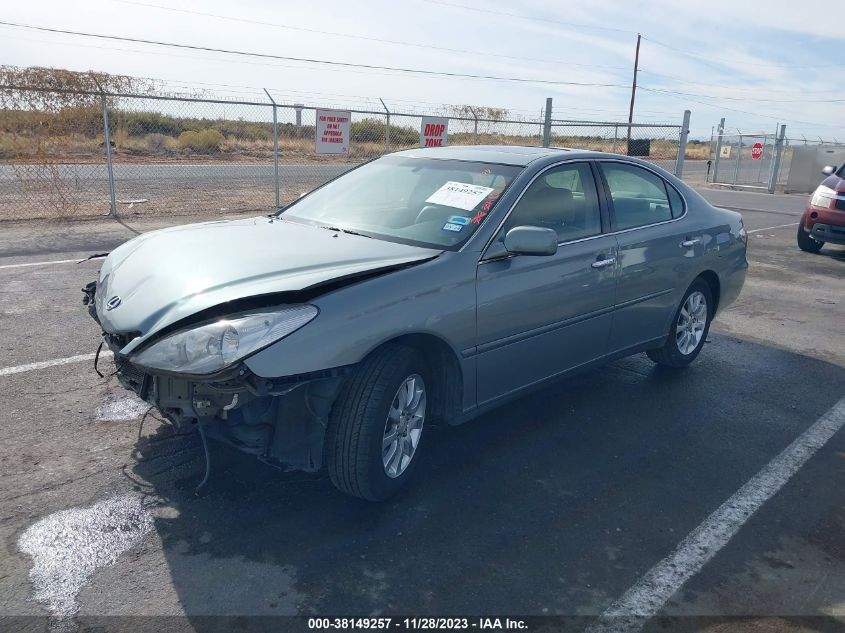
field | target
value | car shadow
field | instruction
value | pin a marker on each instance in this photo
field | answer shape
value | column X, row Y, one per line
column 837, row 253
column 553, row 504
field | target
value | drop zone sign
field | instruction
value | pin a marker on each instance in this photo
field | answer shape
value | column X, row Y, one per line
column 332, row 131
column 433, row 131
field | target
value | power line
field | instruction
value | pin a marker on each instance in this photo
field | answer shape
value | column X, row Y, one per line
column 363, row 37
column 723, row 60
column 739, row 88
column 308, row 60
column 757, row 114
column 695, row 94
column 171, row 55
column 582, row 25
column 578, row 25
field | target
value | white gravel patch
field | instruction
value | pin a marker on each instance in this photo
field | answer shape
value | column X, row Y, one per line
column 120, row 407
column 68, row 546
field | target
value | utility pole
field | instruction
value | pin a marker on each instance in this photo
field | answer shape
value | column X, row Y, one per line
column 633, row 94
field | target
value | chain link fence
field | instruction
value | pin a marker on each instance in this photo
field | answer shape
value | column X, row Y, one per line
column 52, row 163
column 184, row 155
column 656, row 143
column 770, row 161
column 746, row 159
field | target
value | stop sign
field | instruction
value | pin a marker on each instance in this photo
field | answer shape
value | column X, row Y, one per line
column 757, row 151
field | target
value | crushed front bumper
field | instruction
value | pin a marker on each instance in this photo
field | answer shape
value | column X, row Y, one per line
column 278, row 419
column 282, row 420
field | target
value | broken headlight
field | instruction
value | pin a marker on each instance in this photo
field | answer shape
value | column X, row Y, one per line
column 210, row 347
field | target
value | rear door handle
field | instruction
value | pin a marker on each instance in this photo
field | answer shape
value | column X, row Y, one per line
column 690, row 243
column 603, row 263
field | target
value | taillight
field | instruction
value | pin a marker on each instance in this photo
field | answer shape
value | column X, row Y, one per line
column 743, row 235
column 823, row 198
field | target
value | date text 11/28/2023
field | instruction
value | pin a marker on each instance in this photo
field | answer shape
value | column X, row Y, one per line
column 416, row 624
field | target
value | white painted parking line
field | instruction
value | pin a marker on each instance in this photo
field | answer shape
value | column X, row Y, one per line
column 57, row 261
column 769, row 228
column 7, row 371
column 651, row 592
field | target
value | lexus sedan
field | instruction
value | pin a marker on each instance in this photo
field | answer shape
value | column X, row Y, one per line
column 429, row 284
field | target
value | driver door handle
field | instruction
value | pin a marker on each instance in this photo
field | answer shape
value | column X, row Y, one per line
column 603, row 263
column 690, row 243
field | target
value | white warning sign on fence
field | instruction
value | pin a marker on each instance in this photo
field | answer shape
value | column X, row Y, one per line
column 725, row 152
column 332, row 131
column 433, row 131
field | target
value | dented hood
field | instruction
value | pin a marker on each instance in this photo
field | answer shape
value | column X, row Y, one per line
column 164, row 276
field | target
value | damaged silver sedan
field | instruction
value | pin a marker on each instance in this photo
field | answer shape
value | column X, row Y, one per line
column 427, row 284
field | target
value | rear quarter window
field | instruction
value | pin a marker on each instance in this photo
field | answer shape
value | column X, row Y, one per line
column 676, row 202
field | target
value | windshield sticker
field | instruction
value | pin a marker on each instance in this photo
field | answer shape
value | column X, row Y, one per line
column 459, row 219
column 454, row 228
column 490, row 200
column 478, row 217
column 459, row 195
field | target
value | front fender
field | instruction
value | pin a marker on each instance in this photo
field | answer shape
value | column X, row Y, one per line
column 437, row 297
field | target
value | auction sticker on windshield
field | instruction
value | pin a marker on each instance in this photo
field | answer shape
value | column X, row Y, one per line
column 459, row 195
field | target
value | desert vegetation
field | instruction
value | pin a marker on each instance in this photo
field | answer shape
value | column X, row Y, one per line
column 54, row 115
column 53, row 145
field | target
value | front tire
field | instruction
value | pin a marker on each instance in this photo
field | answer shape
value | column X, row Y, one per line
column 690, row 327
column 807, row 243
column 376, row 424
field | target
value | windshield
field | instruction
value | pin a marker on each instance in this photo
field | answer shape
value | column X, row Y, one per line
column 423, row 201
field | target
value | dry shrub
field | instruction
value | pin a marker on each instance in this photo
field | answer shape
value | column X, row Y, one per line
column 205, row 141
column 157, row 142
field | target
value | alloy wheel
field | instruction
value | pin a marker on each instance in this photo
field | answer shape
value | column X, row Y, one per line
column 691, row 323
column 404, row 425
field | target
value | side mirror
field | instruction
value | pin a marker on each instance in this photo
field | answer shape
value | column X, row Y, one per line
column 531, row 240
column 828, row 170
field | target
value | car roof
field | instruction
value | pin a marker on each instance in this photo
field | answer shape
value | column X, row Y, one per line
column 505, row 154
column 521, row 155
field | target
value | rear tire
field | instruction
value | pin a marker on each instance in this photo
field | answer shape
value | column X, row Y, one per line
column 690, row 327
column 364, row 418
column 807, row 243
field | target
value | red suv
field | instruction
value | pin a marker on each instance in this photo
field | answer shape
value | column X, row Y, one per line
column 824, row 219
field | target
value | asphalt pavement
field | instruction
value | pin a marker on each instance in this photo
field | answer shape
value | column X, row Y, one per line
column 558, row 505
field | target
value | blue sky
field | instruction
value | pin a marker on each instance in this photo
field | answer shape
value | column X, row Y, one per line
column 755, row 63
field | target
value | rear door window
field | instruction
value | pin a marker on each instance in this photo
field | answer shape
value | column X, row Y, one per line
column 639, row 196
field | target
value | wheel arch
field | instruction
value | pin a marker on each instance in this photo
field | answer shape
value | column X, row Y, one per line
column 712, row 280
column 446, row 372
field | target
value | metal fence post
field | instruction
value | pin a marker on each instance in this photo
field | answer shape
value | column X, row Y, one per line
column 682, row 145
column 107, row 141
column 475, row 126
column 720, row 131
column 615, row 138
column 387, row 128
column 773, row 177
column 547, row 123
column 275, row 149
